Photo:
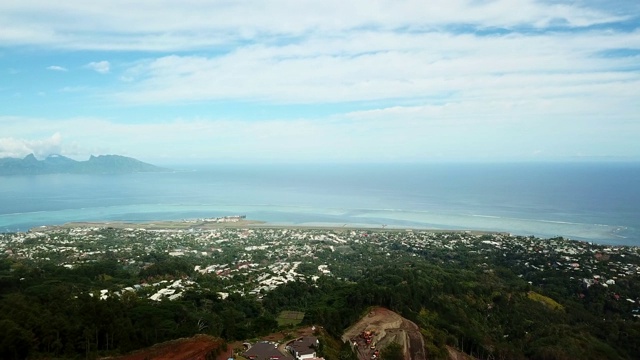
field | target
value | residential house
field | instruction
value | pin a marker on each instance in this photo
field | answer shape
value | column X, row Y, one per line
column 304, row 348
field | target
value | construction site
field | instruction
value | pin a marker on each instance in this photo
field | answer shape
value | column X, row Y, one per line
column 381, row 327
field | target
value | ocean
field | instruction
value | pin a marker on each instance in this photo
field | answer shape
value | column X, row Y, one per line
column 598, row 202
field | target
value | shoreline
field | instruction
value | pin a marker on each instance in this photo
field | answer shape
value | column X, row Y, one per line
column 204, row 223
column 249, row 224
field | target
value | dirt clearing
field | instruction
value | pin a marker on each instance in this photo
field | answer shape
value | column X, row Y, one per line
column 195, row 348
column 381, row 327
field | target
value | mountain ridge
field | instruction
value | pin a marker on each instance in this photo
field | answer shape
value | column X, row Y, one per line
column 59, row 164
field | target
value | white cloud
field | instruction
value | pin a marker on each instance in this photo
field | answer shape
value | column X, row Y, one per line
column 370, row 66
column 225, row 140
column 56, row 68
column 102, row 67
column 420, row 133
column 196, row 24
column 41, row 148
column 456, row 77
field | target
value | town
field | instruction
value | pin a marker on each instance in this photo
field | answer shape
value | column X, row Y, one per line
column 255, row 260
column 265, row 287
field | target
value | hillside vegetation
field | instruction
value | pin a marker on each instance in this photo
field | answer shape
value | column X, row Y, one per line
column 476, row 299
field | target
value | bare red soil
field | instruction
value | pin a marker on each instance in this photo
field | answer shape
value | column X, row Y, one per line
column 195, row 348
column 279, row 336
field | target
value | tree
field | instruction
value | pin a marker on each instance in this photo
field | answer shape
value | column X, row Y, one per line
column 15, row 342
column 392, row 352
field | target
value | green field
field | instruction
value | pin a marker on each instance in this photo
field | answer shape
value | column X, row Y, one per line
column 286, row 318
column 547, row 301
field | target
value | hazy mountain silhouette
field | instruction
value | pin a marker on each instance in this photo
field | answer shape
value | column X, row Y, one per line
column 58, row 164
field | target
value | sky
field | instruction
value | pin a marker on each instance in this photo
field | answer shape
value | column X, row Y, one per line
column 199, row 81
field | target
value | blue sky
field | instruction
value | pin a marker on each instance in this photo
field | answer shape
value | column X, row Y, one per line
column 321, row 81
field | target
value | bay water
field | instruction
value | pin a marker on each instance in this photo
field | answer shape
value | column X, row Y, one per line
column 592, row 201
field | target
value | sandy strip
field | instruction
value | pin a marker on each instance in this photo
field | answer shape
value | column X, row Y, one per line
column 247, row 224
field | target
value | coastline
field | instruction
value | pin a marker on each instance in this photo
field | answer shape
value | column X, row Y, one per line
column 594, row 234
column 434, row 198
column 250, row 224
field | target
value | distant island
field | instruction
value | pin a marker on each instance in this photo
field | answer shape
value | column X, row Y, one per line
column 58, row 164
